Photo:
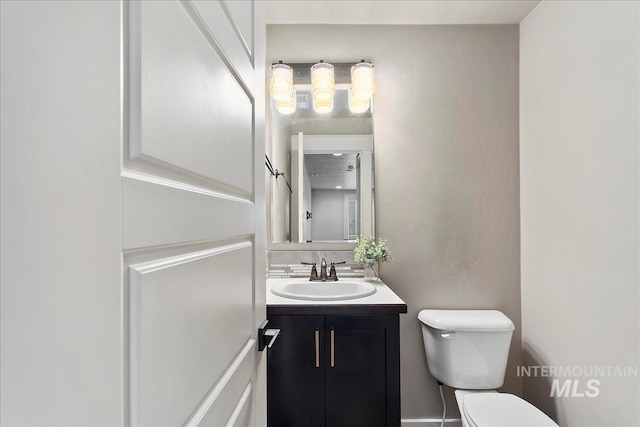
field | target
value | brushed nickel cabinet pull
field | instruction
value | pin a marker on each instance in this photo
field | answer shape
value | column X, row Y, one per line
column 317, row 335
column 333, row 352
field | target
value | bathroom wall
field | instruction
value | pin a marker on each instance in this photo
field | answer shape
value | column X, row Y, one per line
column 579, row 141
column 61, row 299
column 446, row 160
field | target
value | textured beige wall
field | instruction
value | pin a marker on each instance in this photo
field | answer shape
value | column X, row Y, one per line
column 580, row 109
column 446, row 147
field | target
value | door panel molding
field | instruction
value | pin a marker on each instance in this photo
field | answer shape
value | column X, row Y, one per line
column 189, row 316
column 150, row 169
column 241, row 416
column 186, row 103
column 160, row 215
column 228, row 393
column 226, row 30
column 211, row 26
column 182, row 184
column 162, row 263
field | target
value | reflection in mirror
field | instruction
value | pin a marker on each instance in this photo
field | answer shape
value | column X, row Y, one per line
column 332, row 179
column 328, row 159
column 336, row 170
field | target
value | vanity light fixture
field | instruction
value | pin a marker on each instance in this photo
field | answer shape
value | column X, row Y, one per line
column 337, row 154
column 286, row 106
column 281, row 88
column 322, row 86
column 322, row 105
column 362, row 81
column 323, row 76
column 362, row 87
column 357, row 104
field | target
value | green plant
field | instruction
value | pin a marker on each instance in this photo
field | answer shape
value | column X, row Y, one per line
column 367, row 248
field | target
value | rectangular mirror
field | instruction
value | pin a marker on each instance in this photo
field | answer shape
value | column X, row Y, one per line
column 327, row 160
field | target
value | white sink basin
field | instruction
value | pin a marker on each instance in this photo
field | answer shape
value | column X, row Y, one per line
column 324, row 291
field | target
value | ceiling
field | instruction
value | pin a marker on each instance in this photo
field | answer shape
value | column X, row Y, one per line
column 398, row 12
column 327, row 171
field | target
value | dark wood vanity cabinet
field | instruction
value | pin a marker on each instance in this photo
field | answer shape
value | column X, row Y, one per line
column 295, row 383
column 334, row 370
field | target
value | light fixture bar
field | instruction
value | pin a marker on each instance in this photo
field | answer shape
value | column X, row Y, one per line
column 302, row 72
column 357, row 77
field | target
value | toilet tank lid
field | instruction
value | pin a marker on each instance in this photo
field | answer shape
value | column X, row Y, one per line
column 466, row 320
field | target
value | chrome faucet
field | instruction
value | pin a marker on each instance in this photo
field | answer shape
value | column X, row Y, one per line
column 323, row 270
column 323, row 277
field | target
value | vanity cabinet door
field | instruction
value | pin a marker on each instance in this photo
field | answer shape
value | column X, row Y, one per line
column 334, row 371
column 295, row 372
column 362, row 371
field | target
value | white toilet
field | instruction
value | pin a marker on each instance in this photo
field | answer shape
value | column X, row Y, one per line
column 468, row 350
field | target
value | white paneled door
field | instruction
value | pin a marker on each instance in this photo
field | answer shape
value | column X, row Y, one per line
column 180, row 290
column 189, row 212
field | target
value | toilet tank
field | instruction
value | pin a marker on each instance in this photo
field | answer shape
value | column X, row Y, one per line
column 467, row 349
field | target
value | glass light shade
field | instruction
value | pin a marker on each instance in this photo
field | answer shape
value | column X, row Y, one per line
column 286, row 106
column 281, row 85
column 357, row 104
column 323, row 105
column 322, row 81
column 362, row 80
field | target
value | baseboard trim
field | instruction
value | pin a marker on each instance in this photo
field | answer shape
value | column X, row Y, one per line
column 430, row 422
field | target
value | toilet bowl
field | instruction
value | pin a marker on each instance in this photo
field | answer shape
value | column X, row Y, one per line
column 468, row 350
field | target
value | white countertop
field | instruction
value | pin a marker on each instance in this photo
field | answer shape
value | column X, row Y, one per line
column 383, row 295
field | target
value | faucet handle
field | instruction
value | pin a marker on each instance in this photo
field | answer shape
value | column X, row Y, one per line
column 333, row 275
column 314, row 271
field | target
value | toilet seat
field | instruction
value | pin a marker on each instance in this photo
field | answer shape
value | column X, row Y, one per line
column 502, row 410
